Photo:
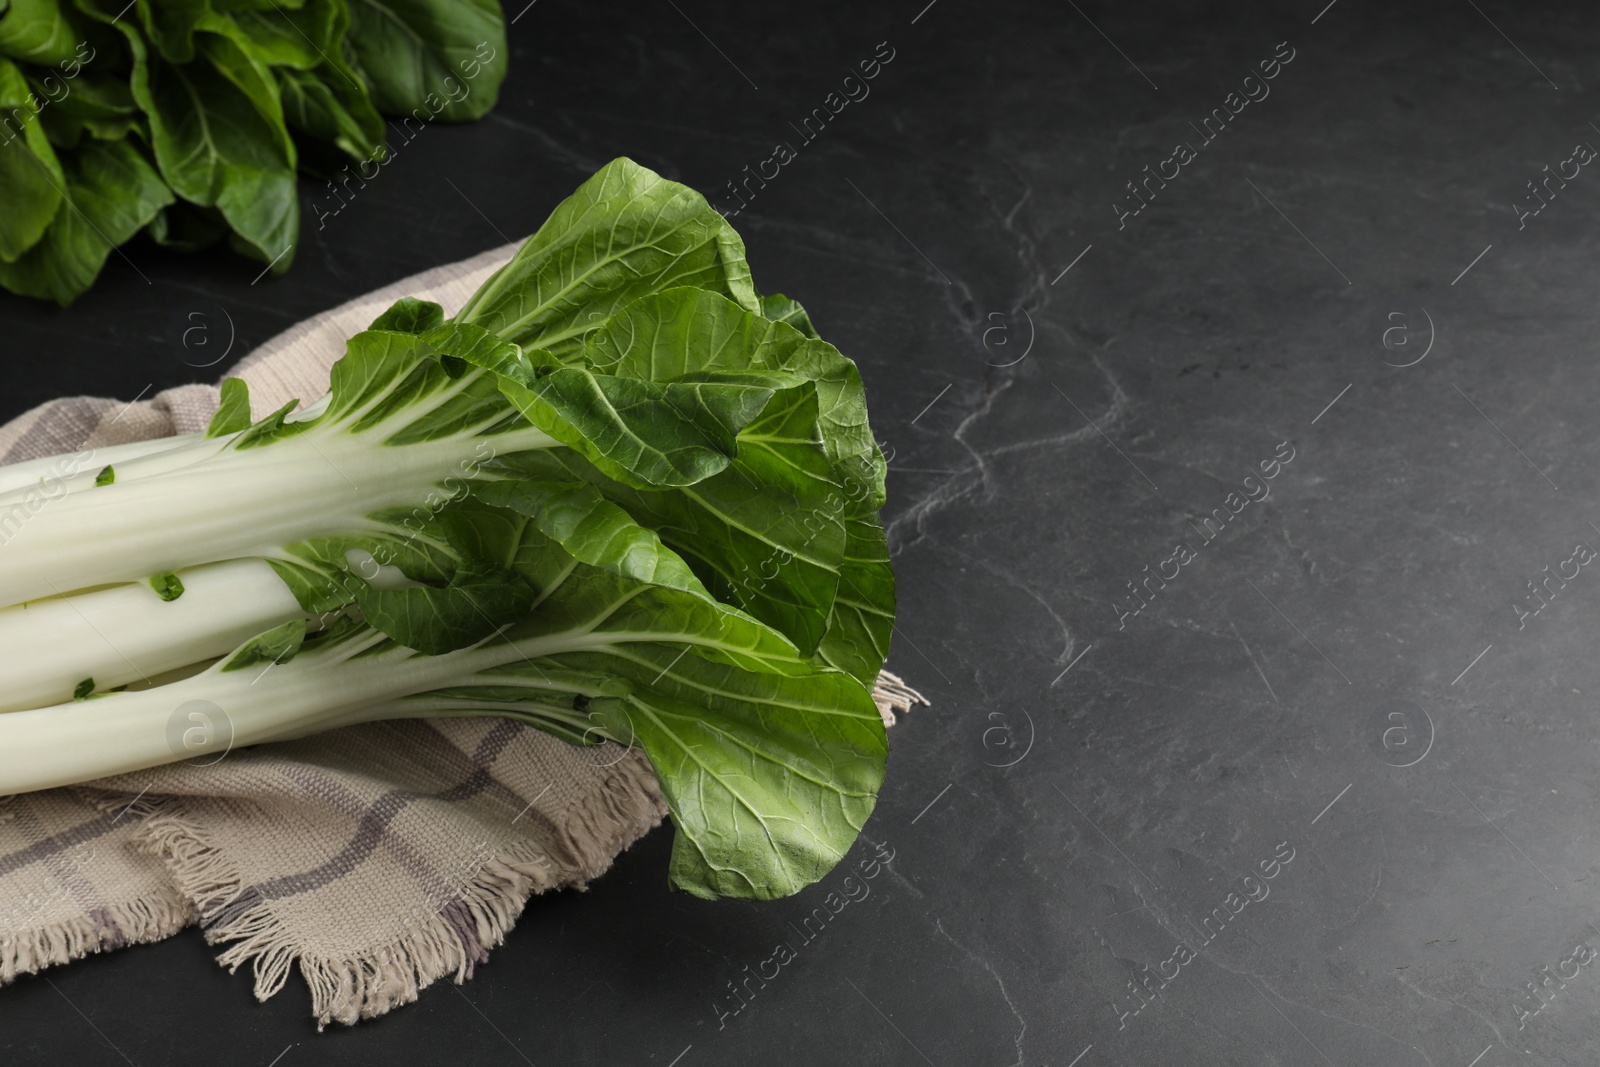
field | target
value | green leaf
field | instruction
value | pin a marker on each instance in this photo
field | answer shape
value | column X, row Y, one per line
column 861, row 620
column 679, row 332
column 770, row 765
column 31, row 180
column 575, row 597
column 277, row 645
column 171, row 25
column 639, row 432
column 770, row 780
column 98, row 105
column 627, row 232
column 786, row 534
column 215, row 150
column 770, row 774
column 759, row 535
column 384, row 371
column 472, row 529
column 320, row 575
column 301, row 37
column 168, row 586
column 40, row 31
column 481, row 598
column 112, row 191
column 444, row 58
column 662, row 390
column 462, row 344
column 331, row 104
column 83, row 690
column 106, row 476
column 235, row 59
column 272, row 428
column 386, row 376
column 780, row 308
column 322, row 94
column 233, row 416
column 594, row 530
column 409, row 315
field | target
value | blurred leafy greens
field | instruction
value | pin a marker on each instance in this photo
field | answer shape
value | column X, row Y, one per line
column 189, row 120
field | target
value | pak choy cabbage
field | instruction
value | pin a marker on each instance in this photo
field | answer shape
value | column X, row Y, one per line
column 619, row 496
column 188, row 121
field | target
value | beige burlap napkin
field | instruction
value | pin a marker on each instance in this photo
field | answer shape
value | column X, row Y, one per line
column 379, row 857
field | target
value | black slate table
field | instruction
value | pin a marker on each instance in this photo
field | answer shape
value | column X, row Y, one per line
column 1243, row 475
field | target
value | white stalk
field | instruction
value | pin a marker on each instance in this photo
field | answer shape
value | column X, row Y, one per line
column 74, row 470
column 229, row 505
column 49, row 474
column 59, row 476
column 217, row 710
column 127, row 633
column 19, row 502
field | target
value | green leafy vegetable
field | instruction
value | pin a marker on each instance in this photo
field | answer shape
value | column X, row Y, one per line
column 188, row 119
column 111, row 191
column 441, row 55
column 30, row 175
column 480, row 598
column 623, row 235
column 38, row 31
column 612, row 499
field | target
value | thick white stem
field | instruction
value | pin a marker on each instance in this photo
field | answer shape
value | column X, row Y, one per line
column 19, row 503
column 53, row 475
column 227, row 506
column 126, row 633
column 214, row 712
column 73, row 470
column 204, row 716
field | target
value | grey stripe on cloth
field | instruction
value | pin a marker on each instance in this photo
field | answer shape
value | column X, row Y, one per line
column 465, row 927
column 43, row 845
column 374, row 822
column 56, row 427
column 71, row 879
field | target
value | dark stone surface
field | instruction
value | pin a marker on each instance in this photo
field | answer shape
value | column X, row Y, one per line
column 1317, row 642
